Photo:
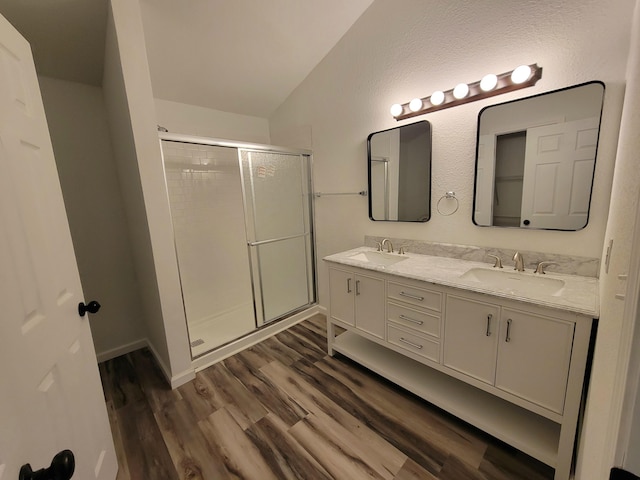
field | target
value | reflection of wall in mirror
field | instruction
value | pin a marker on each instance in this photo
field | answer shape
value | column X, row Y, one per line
column 384, row 175
column 509, row 174
column 414, row 172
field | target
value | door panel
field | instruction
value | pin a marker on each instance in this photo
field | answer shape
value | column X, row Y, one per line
column 50, row 389
column 283, row 276
column 470, row 337
column 534, row 363
column 277, row 199
column 559, row 163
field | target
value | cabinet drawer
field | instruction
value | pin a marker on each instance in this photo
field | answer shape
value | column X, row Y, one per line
column 413, row 343
column 415, row 296
column 421, row 321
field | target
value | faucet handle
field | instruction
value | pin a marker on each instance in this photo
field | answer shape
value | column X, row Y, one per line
column 379, row 245
column 498, row 260
column 401, row 250
column 541, row 265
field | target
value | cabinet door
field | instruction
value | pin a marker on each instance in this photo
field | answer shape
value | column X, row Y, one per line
column 470, row 337
column 533, row 357
column 341, row 295
column 370, row 303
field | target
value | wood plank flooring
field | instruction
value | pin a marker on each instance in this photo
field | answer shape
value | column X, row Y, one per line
column 283, row 409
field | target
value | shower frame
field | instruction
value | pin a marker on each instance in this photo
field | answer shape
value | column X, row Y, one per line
column 244, row 146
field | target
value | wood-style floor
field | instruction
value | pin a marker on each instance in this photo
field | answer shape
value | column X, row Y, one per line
column 283, row 409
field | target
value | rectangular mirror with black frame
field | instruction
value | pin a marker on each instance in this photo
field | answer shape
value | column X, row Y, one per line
column 399, row 165
column 535, row 159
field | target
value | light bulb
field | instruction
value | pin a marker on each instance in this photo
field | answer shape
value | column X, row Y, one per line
column 437, row 98
column 415, row 104
column 521, row 74
column 396, row 110
column 461, row 91
column 488, row 82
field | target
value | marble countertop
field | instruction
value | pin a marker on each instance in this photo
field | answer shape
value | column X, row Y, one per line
column 578, row 295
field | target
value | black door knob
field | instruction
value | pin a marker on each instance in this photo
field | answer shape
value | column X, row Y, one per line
column 62, row 468
column 91, row 307
column 526, row 222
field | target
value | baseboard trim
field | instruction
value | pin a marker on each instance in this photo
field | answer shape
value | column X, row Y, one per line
column 174, row 380
column 258, row 336
column 122, row 350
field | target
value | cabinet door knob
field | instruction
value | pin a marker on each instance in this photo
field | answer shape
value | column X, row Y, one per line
column 357, row 287
column 348, row 285
column 508, row 337
column 489, row 317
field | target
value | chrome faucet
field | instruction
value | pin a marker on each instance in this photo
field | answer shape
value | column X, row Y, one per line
column 541, row 265
column 388, row 243
column 519, row 262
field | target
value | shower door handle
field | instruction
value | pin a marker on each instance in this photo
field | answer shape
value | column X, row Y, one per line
column 272, row 240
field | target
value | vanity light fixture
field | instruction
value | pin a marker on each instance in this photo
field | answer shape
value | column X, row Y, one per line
column 489, row 86
column 415, row 104
column 437, row 98
column 461, row 91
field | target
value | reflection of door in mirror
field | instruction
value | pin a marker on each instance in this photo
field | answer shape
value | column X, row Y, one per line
column 400, row 173
column 559, row 163
column 535, row 159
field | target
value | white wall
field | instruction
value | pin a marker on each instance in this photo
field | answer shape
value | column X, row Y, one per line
column 206, row 122
column 617, row 317
column 409, row 48
column 80, row 135
column 400, row 50
column 127, row 89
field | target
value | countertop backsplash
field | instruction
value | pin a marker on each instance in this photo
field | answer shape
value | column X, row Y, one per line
column 566, row 264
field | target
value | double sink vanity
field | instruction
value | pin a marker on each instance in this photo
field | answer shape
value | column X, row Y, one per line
column 501, row 349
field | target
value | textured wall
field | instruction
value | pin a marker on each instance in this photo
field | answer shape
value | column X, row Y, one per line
column 408, row 48
column 206, row 122
column 403, row 49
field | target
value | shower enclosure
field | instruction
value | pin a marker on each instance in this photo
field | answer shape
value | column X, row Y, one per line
column 242, row 220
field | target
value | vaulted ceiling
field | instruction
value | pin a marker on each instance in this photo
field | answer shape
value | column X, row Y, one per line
column 240, row 56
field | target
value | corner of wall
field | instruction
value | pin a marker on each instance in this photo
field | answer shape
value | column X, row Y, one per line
column 131, row 112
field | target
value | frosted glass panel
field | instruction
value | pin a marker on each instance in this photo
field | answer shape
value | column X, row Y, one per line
column 205, row 197
column 278, row 219
column 284, row 276
column 278, row 184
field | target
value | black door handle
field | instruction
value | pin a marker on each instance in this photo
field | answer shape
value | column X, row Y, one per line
column 91, row 307
column 62, row 468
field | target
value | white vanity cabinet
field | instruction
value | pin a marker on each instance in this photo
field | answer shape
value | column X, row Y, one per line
column 520, row 353
column 357, row 299
column 516, row 370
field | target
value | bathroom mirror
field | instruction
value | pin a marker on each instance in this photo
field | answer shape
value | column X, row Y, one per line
column 400, row 173
column 535, row 159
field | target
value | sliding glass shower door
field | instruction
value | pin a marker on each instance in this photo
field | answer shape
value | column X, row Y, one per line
column 242, row 222
column 205, row 195
column 279, row 229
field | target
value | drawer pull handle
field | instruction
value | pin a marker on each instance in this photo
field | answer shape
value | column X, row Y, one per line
column 489, row 317
column 412, row 320
column 411, row 344
column 508, row 337
column 348, row 285
column 357, row 287
column 408, row 295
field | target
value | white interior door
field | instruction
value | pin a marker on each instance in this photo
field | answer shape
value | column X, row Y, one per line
column 558, row 172
column 50, row 393
column 485, row 177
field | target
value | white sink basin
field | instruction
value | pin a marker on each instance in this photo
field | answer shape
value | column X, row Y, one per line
column 515, row 281
column 377, row 258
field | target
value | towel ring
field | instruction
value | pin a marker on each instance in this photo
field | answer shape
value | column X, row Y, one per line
column 448, row 195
